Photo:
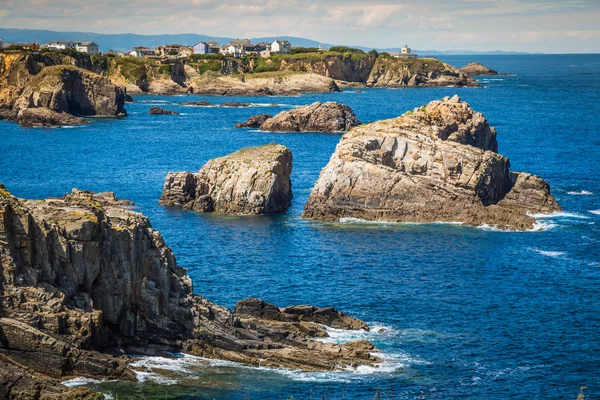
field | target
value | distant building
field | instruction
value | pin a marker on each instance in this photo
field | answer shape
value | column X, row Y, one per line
column 60, row 45
column 90, row 48
column 31, row 46
column 281, row 47
column 87, row 47
column 173, row 50
column 406, row 52
column 213, row 47
column 201, row 48
column 140, row 52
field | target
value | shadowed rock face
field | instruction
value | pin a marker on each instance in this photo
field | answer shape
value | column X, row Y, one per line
column 317, row 117
column 255, row 180
column 436, row 163
column 84, row 277
column 254, row 121
column 74, row 91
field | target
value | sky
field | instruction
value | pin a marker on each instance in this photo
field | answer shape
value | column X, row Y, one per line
column 550, row 26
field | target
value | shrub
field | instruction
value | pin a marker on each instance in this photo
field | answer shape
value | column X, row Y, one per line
column 345, row 49
column 302, row 50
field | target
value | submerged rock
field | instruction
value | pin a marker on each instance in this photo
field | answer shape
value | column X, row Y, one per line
column 36, row 117
column 317, row 117
column 201, row 103
column 476, row 69
column 84, row 277
column 155, row 110
column 254, row 121
column 436, row 163
column 129, row 99
column 235, row 104
column 255, row 180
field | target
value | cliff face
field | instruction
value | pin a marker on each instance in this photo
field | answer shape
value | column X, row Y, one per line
column 436, row 163
column 336, row 67
column 84, row 277
column 254, row 180
column 72, row 90
column 391, row 72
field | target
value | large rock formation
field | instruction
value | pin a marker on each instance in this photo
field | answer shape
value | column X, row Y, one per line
column 68, row 90
column 317, row 117
column 155, row 110
column 254, row 180
column 84, row 277
column 477, row 69
column 436, row 163
column 398, row 72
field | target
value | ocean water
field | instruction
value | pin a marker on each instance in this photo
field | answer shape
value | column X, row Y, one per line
column 468, row 313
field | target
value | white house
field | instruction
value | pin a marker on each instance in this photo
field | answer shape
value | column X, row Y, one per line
column 406, row 52
column 236, row 50
column 281, row 47
column 60, row 45
column 140, row 51
column 87, row 47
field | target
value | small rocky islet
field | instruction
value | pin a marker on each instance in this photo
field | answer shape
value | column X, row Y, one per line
column 254, row 180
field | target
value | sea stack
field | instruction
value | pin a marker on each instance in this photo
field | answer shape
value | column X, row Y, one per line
column 254, row 180
column 317, row 117
column 436, row 163
column 477, row 69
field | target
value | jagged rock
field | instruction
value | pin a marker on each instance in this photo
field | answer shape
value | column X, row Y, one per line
column 317, row 117
column 333, row 87
column 71, row 90
column 254, row 180
column 155, row 110
column 436, row 163
column 254, row 121
column 328, row 316
column 477, row 69
column 396, row 72
column 84, row 277
column 129, row 99
column 235, row 104
column 201, row 103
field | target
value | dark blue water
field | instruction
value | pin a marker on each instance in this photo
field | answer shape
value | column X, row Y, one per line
column 469, row 313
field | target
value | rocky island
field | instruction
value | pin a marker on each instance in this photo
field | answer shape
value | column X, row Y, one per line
column 86, row 280
column 438, row 163
column 317, row 117
column 254, row 180
column 477, row 69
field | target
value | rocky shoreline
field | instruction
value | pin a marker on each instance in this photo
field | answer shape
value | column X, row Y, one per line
column 86, row 281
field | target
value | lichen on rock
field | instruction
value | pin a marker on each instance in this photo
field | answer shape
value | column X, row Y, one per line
column 253, row 180
column 436, row 163
column 316, row 117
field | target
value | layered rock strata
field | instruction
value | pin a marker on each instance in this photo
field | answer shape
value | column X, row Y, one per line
column 254, row 180
column 85, row 280
column 436, row 163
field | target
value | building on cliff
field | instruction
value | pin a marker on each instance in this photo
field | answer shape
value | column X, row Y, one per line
column 140, row 51
column 31, row 46
column 281, row 47
column 90, row 48
column 406, row 52
column 173, row 51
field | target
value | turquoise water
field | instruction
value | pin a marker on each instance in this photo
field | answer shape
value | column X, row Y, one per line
column 469, row 313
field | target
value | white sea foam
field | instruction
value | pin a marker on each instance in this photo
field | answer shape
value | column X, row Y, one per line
column 145, row 376
column 352, row 220
column 553, row 254
column 80, row 381
column 558, row 214
column 596, row 212
column 344, row 335
column 581, row 193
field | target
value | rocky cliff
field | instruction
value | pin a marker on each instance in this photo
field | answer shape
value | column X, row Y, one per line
column 50, row 90
column 85, row 280
column 436, row 163
column 254, row 180
column 397, row 72
column 317, row 117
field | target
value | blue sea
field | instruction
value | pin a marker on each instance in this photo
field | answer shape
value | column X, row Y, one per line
column 464, row 313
